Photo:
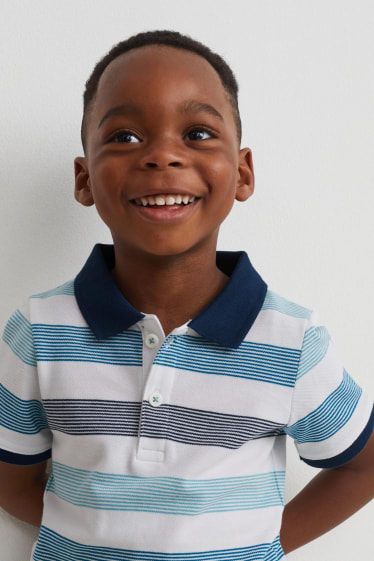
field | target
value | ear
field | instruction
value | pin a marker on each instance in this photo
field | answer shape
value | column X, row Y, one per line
column 246, row 176
column 82, row 191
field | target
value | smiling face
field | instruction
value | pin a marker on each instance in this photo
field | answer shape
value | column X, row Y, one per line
column 145, row 136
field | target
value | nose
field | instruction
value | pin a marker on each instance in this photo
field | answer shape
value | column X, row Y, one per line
column 162, row 154
column 155, row 165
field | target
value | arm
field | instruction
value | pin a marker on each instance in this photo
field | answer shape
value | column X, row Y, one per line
column 331, row 497
column 22, row 489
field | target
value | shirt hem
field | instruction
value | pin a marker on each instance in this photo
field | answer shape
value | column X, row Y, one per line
column 24, row 459
column 349, row 453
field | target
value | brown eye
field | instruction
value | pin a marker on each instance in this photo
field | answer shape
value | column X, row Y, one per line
column 120, row 137
column 201, row 130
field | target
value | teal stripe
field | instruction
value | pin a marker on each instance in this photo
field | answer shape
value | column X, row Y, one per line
column 20, row 415
column 315, row 346
column 18, row 335
column 330, row 416
column 51, row 545
column 274, row 301
column 262, row 362
column 70, row 343
column 67, row 288
column 167, row 495
column 275, row 551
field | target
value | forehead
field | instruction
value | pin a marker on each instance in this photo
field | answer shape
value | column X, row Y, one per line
column 159, row 77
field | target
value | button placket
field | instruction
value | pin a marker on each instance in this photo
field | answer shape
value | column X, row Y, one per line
column 156, row 390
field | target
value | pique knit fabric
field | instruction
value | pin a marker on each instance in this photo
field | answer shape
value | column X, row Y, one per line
column 171, row 447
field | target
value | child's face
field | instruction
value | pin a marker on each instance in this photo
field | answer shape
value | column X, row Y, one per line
column 158, row 149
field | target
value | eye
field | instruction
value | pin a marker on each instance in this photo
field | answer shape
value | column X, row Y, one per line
column 121, row 135
column 201, row 130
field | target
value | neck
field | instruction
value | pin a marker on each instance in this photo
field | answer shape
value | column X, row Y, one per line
column 175, row 288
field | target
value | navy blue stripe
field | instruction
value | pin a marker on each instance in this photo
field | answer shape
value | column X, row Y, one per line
column 348, row 454
column 180, row 424
column 24, row 459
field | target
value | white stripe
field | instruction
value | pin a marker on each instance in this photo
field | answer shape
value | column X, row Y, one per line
column 274, row 328
column 125, row 384
column 182, row 461
column 61, row 309
column 19, row 443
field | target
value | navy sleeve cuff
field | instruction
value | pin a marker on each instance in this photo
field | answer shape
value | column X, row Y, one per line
column 24, row 459
column 348, row 454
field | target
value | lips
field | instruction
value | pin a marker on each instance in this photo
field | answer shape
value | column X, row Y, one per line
column 166, row 213
column 164, row 194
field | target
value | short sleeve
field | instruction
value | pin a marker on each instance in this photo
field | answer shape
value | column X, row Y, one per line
column 332, row 417
column 25, row 437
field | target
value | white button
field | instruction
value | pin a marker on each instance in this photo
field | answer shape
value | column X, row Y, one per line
column 156, row 399
column 151, row 340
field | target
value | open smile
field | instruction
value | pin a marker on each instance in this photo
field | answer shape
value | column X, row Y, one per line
column 166, row 213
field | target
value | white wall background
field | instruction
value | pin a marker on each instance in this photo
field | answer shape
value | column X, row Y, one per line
column 306, row 98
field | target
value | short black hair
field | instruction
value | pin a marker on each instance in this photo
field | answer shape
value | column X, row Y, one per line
column 162, row 37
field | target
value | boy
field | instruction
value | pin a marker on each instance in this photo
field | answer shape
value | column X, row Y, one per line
column 164, row 378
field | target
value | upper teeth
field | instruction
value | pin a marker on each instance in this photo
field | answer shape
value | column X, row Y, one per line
column 164, row 200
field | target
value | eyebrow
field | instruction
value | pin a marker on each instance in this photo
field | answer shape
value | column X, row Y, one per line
column 187, row 106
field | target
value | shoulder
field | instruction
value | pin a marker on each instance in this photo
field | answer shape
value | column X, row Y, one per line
column 52, row 305
column 49, row 306
column 282, row 321
column 275, row 302
column 67, row 288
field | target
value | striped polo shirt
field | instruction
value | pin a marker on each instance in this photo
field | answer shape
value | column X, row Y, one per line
column 171, row 448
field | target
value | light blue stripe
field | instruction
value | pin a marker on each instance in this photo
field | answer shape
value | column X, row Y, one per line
column 274, row 301
column 315, row 346
column 54, row 546
column 20, row 415
column 67, row 288
column 168, row 495
column 18, row 335
column 330, row 416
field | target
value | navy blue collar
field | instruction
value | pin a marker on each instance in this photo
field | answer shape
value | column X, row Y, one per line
column 226, row 320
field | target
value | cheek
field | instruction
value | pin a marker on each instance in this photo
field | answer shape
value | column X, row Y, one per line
column 107, row 184
column 222, row 180
column 222, row 170
column 108, row 174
